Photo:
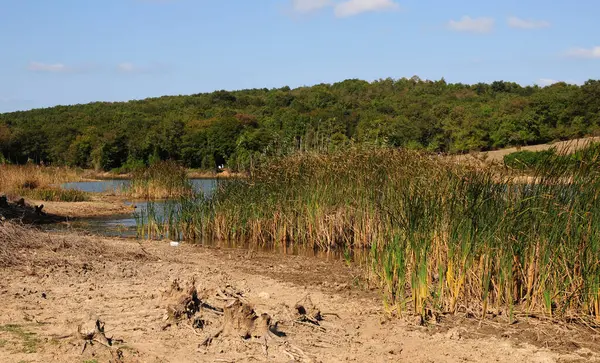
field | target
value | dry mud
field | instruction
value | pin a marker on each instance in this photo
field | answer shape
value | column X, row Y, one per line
column 233, row 306
column 99, row 205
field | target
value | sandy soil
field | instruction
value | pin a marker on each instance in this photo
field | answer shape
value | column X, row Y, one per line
column 99, row 205
column 64, row 280
column 224, row 174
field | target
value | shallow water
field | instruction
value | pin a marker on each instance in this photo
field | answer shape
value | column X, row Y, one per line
column 121, row 225
column 97, row 186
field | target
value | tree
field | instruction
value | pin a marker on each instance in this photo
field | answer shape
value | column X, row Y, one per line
column 209, row 129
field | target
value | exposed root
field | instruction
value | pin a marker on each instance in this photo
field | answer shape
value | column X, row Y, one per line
column 306, row 313
column 229, row 294
column 206, row 342
column 93, row 332
column 241, row 320
column 186, row 303
column 310, row 325
column 306, row 310
column 237, row 318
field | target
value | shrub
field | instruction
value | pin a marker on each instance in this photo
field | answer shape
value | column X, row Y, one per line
column 523, row 160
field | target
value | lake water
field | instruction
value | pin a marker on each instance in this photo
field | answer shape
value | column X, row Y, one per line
column 121, row 225
column 102, row 186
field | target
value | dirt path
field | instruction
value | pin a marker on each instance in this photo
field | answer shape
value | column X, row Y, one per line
column 561, row 146
column 71, row 279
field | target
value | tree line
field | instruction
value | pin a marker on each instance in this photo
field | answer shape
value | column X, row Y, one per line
column 239, row 128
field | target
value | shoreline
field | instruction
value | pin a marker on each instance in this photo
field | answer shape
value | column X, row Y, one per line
column 90, row 175
column 102, row 205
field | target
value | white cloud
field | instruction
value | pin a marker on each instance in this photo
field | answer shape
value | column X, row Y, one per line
column 344, row 8
column 132, row 68
column 63, row 68
column 472, row 25
column 46, row 67
column 518, row 23
column 546, row 82
column 593, row 52
column 355, row 7
column 306, row 6
column 126, row 67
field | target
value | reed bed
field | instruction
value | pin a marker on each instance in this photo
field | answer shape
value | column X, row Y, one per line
column 39, row 182
column 438, row 235
column 54, row 194
column 161, row 180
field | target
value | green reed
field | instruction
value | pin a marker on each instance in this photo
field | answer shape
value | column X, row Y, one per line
column 437, row 235
column 175, row 219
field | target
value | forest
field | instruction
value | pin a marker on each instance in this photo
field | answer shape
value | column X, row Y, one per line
column 241, row 128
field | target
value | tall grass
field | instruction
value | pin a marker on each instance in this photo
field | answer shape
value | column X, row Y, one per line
column 39, row 182
column 13, row 177
column 54, row 194
column 176, row 219
column 438, row 235
column 161, row 180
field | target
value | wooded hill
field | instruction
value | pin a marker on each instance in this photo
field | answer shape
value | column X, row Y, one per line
column 243, row 127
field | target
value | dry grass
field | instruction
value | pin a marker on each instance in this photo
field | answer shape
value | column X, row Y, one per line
column 18, row 177
column 23, row 246
column 18, row 241
column 14, row 237
column 162, row 180
column 39, row 183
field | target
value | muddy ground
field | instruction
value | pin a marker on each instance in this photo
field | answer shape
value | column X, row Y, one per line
column 53, row 286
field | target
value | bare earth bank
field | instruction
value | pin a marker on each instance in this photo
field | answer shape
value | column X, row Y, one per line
column 50, row 287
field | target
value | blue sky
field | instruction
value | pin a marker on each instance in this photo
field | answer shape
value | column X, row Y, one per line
column 77, row 51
